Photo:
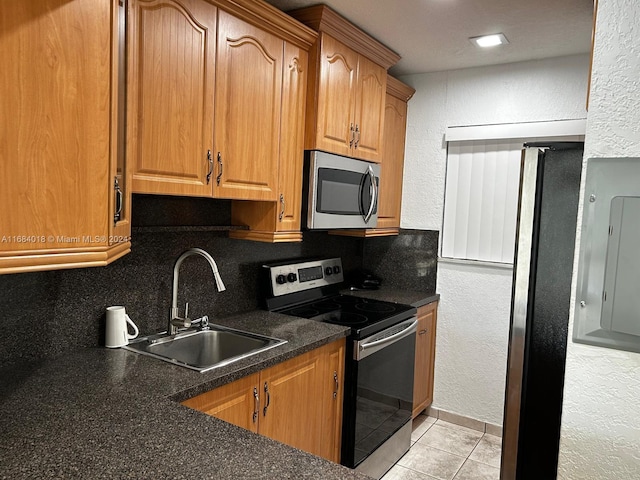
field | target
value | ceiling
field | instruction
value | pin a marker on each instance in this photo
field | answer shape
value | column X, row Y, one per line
column 432, row 35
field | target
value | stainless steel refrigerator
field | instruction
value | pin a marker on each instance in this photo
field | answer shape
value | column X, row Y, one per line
column 545, row 242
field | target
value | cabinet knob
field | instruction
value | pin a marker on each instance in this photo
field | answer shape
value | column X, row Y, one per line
column 422, row 332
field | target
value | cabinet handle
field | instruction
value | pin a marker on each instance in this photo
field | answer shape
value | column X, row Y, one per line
column 358, row 138
column 256, row 404
column 335, row 379
column 119, row 198
column 422, row 332
column 281, row 207
column 266, row 392
column 219, row 169
column 210, row 160
column 353, row 136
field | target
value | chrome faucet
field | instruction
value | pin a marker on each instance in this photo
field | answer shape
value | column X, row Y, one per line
column 175, row 321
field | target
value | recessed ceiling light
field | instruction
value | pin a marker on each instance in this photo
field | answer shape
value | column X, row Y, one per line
column 486, row 41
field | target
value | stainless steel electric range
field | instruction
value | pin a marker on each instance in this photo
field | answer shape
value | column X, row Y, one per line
column 379, row 365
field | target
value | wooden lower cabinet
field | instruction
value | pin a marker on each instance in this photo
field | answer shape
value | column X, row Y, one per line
column 233, row 403
column 297, row 402
column 425, row 357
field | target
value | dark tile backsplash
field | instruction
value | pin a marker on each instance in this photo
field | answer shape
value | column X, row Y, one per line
column 48, row 313
column 406, row 262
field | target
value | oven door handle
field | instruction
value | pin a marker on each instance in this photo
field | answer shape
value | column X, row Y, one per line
column 365, row 349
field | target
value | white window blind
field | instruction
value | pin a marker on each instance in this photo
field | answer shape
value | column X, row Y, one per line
column 481, row 188
column 481, row 200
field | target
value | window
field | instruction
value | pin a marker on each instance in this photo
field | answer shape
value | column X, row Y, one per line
column 481, row 200
column 482, row 185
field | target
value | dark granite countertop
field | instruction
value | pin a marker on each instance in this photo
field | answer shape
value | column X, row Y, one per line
column 407, row 297
column 101, row 413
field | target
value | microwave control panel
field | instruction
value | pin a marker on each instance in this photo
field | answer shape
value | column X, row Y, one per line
column 296, row 277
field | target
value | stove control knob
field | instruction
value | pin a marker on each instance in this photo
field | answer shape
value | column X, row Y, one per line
column 328, row 271
column 292, row 277
column 336, row 269
column 281, row 279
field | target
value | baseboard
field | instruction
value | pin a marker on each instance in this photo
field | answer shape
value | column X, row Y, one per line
column 463, row 421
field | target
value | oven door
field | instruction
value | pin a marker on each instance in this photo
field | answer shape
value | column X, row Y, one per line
column 379, row 399
column 342, row 192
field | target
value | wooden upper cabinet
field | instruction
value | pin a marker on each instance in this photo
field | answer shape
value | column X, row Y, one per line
column 171, row 96
column 280, row 221
column 247, row 114
column 370, row 110
column 206, row 97
column 294, row 89
column 57, row 127
column 334, row 127
column 346, row 94
column 392, row 164
column 349, row 102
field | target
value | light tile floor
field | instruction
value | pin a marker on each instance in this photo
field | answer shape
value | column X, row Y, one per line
column 446, row 451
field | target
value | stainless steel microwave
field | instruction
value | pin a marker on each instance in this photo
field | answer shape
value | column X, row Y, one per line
column 339, row 192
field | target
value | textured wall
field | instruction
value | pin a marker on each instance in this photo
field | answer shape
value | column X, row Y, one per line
column 544, row 90
column 600, row 436
column 473, row 320
column 473, row 333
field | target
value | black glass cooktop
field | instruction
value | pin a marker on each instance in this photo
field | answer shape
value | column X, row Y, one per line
column 364, row 316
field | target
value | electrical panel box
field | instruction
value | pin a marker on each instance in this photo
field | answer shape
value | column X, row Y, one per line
column 621, row 297
column 608, row 295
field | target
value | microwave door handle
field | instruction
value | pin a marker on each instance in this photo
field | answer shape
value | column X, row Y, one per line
column 373, row 190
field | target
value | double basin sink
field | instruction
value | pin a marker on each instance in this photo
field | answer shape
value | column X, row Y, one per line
column 204, row 349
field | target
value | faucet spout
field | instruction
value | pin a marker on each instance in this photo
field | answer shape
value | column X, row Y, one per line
column 176, row 269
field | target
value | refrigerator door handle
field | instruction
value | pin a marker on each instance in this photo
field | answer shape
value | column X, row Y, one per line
column 526, row 231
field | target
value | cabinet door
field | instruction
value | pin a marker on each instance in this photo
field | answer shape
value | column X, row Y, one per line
column 292, row 139
column 170, row 97
column 335, row 100
column 425, row 357
column 237, row 402
column 55, row 133
column 292, row 402
column 280, row 221
column 120, row 175
column 370, row 107
column 392, row 163
column 334, row 391
column 247, row 114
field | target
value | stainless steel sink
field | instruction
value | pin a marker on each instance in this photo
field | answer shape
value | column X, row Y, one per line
column 204, row 350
